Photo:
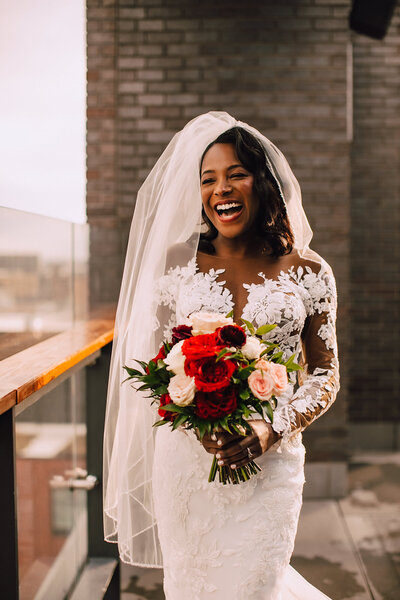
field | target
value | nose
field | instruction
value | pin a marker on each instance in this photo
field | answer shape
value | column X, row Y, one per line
column 223, row 187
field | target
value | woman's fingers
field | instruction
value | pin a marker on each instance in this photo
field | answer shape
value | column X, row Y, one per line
column 219, row 441
column 238, row 454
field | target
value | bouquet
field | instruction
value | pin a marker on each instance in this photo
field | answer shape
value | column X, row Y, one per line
column 214, row 375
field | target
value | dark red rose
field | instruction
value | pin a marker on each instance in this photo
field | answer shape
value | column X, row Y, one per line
column 166, row 414
column 182, row 332
column 210, row 375
column 216, row 404
column 232, row 335
column 201, row 346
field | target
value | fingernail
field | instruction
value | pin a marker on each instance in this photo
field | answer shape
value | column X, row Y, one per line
column 233, row 466
column 220, row 462
column 218, row 455
column 219, row 443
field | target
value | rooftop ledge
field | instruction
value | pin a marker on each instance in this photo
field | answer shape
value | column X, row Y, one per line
column 30, row 370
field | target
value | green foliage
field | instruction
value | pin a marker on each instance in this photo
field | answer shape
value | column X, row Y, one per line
column 268, row 409
column 249, row 326
column 291, row 365
column 264, row 329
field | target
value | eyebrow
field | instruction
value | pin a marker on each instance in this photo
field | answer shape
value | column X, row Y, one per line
column 229, row 168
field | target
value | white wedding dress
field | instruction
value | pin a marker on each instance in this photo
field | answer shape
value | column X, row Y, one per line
column 234, row 542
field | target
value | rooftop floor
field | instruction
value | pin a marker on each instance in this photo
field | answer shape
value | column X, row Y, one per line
column 349, row 549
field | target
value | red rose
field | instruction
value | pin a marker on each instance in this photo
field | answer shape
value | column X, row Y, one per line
column 232, row 335
column 166, row 414
column 217, row 404
column 161, row 355
column 210, row 375
column 182, row 332
column 202, row 346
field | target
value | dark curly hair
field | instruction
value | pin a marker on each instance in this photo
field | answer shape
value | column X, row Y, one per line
column 272, row 223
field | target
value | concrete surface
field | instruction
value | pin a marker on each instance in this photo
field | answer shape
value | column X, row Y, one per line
column 349, row 549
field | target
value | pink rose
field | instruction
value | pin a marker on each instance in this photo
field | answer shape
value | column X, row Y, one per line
column 261, row 384
column 263, row 365
column 279, row 377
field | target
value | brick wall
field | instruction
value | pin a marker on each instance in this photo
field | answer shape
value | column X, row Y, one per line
column 154, row 64
column 375, row 220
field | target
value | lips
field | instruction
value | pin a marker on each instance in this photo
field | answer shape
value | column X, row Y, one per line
column 228, row 210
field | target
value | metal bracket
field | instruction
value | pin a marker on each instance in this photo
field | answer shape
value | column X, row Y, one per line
column 76, row 479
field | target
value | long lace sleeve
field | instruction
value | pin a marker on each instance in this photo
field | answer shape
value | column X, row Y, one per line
column 319, row 382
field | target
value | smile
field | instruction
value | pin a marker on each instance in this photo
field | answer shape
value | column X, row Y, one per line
column 228, row 211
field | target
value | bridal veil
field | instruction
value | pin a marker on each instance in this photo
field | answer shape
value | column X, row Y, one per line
column 167, row 213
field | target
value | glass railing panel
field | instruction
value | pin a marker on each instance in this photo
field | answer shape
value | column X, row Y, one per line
column 43, row 278
column 52, row 519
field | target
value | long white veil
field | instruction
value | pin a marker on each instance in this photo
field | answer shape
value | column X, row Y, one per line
column 167, row 213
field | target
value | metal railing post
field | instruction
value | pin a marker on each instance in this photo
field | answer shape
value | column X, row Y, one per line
column 9, row 588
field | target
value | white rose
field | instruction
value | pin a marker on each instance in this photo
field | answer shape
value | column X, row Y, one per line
column 182, row 390
column 252, row 348
column 175, row 359
column 203, row 322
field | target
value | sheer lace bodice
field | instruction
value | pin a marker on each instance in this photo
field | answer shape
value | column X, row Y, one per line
column 302, row 303
column 236, row 541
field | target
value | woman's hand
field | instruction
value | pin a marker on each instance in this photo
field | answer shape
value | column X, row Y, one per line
column 236, row 450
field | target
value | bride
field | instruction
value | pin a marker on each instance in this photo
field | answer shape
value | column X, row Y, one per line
column 218, row 227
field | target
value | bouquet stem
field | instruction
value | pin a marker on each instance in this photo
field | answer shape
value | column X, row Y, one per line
column 234, row 476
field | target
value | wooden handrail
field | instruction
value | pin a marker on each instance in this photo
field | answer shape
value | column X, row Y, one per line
column 29, row 370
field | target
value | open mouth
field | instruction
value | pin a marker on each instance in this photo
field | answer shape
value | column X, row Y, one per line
column 229, row 210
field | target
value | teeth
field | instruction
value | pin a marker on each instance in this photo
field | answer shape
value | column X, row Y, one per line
column 222, row 207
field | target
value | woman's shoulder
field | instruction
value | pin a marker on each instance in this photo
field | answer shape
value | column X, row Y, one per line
column 309, row 261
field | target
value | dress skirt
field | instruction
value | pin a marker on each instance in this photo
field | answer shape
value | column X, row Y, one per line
column 226, row 542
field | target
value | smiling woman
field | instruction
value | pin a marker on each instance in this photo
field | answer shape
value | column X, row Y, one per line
column 239, row 191
column 218, row 541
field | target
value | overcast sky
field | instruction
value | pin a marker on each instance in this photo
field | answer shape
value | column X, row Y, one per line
column 42, row 107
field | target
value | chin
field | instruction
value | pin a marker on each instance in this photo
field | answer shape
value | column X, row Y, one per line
column 232, row 233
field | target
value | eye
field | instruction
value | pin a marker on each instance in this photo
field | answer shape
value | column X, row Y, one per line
column 238, row 175
column 206, row 181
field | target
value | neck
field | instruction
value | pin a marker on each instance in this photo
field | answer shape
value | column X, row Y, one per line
column 238, row 248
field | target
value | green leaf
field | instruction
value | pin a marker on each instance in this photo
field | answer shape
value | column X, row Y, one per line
column 179, row 421
column 143, row 387
column 244, row 373
column 244, row 394
column 159, row 423
column 265, row 329
column 249, row 326
column 295, row 367
column 202, row 429
column 229, row 315
column 224, row 424
column 173, row 408
column 259, row 409
column 221, row 354
column 277, row 357
column 162, row 389
column 143, row 364
column 291, row 365
column 269, row 411
column 132, row 372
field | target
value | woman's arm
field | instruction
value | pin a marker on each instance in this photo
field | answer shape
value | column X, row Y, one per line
column 319, row 381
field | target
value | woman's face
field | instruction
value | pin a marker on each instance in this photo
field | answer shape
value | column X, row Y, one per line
column 227, row 192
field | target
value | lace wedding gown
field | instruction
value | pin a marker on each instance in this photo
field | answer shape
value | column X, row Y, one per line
column 235, row 541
